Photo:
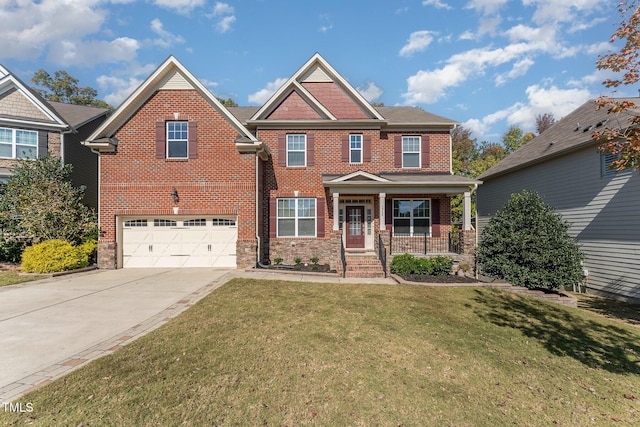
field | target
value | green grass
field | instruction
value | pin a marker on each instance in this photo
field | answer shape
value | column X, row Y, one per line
column 281, row 353
column 13, row 277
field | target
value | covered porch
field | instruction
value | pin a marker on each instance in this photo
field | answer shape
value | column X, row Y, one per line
column 394, row 213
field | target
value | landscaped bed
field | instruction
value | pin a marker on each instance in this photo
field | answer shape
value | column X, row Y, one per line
column 284, row 353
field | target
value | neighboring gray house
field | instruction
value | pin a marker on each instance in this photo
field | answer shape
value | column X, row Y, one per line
column 601, row 205
column 31, row 127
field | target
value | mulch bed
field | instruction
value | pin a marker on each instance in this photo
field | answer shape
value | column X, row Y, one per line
column 449, row 278
column 307, row 267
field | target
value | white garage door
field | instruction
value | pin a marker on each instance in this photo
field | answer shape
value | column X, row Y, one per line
column 171, row 242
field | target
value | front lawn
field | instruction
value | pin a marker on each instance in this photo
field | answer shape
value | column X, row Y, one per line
column 282, row 353
column 13, row 277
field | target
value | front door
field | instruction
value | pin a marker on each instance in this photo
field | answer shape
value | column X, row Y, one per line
column 355, row 226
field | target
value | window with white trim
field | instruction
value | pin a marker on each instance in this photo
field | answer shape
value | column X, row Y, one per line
column 135, row 223
column 199, row 222
column 412, row 217
column 411, row 151
column 296, row 150
column 355, row 148
column 164, row 223
column 296, row 217
column 177, row 140
column 18, row 143
column 219, row 222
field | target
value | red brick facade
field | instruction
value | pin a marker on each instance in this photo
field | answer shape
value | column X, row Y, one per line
column 134, row 182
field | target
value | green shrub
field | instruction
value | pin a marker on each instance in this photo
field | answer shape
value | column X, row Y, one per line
column 11, row 250
column 89, row 247
column 527, row 244
column 403, row 264
column 407, row 264
column 53, row 256
column 441, row 265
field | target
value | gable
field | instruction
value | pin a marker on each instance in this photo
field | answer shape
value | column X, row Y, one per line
column 294, row 107
column 324, row 91
column 13, row 103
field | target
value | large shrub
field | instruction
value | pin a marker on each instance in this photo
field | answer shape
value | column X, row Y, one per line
column 527, row 244
column 39, row 203
column 54, row 256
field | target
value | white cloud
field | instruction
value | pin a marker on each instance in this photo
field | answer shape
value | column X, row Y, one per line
column 180, row 6
column 467, row 35
column 90, row 53
column 429, row 86
column 119, row 88
column 540, row 100
column 224, row 13
column 520, row 68
column 371, row 92
column 418, row 42
column 166, row 38
column 263, row 95
column 437, row 4
column 486, row 7
column 560, row 11
column 325, row 28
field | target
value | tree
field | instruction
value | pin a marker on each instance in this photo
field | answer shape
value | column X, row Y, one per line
column 464, row 150
column 62, row 87
column 39, row 203
column 621, row 137
column 527, row 244
column 515, row 138
column 544, row 122
column 228, row 102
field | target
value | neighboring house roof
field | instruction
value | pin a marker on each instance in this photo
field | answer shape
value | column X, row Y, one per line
column 171, row 73
column 40, row 112
column 77, row 115
column 568, row 134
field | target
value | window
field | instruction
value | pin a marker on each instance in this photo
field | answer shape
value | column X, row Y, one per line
column 164, row 223
column 297, row 150
column 355, row 148
column 18, row 144
column 411, row 217
column 136, row 223
column 411, row 151
column 224, row 222
column 296, row 217
column 177, row 140
column 200, row 222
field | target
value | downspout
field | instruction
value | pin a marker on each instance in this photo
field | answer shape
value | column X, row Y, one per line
column 258, row 242
column 62, row 134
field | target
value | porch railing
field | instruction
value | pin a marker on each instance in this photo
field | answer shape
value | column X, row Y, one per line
column 382, row 254
column 424, row 244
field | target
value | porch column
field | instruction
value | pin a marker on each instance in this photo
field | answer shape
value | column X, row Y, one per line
column 466, row 216
column 336, row 211
column 381, row 207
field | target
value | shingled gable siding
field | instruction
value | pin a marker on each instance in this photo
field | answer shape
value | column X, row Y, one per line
column 220, row 181
column 280, row 181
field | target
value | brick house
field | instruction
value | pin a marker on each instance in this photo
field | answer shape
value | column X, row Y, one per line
column 32, row 127
column 316, row 171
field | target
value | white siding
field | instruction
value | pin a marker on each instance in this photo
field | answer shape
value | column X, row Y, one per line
column 604, row 214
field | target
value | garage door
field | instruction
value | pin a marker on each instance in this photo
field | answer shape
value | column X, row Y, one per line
column 171, row 242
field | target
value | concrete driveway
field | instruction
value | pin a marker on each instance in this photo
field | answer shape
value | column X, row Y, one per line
column 52, row 326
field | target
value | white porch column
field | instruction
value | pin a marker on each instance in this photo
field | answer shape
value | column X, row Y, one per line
column 336, row 211
column 381, row 207
column 466, row 216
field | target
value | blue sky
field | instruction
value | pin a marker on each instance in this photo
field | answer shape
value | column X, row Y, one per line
column 488, row 64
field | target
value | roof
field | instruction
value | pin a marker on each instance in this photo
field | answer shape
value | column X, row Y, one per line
column 568, row 134
column 77, row 115
column 394, row 116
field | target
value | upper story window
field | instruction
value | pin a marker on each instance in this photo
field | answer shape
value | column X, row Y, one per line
column 18, row 143
column 296, row 150
column 177, row 140
column 355, row 148
column 411, row 151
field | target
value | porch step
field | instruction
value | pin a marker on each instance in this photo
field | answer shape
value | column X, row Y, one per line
column 363, row 266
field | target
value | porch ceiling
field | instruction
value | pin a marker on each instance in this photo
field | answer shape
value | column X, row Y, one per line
column 396, row 183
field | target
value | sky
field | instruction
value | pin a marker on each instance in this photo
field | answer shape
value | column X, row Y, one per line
column 488, row 64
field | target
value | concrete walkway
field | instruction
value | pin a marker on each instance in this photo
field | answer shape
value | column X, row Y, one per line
column 53, row 326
